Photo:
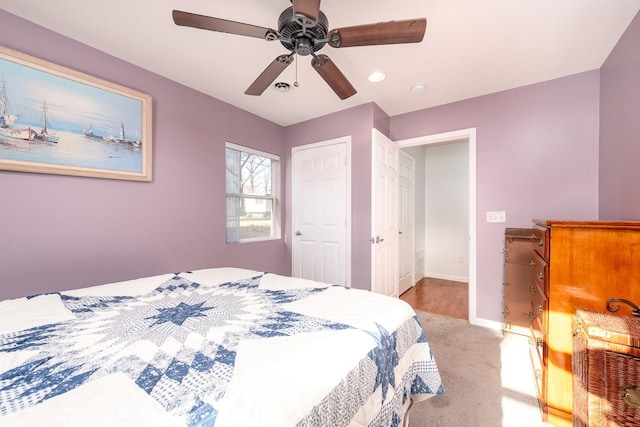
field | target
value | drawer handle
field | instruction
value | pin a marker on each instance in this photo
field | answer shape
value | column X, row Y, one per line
column 539, row 308
column 540, row 276
column 532, row 263
column 532, row 289
column 539, row 341
column 613, row 309
column 541, row 243
column 532, row 315
column 631, row 395
column 532, row 237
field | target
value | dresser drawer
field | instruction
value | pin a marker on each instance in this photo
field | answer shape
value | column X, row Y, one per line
column 540, row 273
column 517, row 247
column 537, row 341
column 539, row 307
column 540, row 241
column 538, row 373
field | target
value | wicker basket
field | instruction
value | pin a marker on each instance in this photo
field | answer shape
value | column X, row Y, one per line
column 606, row 360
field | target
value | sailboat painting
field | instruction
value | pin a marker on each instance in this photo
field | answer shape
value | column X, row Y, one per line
column 45, row 131
column 56, row 120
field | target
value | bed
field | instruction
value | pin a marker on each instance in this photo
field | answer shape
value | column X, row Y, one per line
column 213, row 347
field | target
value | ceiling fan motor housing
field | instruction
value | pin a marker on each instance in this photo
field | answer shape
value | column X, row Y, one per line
column 301, row 40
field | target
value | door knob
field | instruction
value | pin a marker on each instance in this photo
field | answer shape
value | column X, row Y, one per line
column 298, row 233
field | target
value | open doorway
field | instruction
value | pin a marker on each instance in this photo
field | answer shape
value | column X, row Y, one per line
column 445, row 209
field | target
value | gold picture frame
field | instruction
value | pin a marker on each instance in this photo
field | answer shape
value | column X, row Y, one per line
column 56, row 120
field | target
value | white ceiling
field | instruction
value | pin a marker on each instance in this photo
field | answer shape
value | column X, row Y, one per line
column 471, row 47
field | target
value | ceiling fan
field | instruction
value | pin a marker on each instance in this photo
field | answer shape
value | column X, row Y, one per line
column 304, row 29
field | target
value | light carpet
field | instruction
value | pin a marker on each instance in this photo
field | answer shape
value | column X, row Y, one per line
column 487, row 377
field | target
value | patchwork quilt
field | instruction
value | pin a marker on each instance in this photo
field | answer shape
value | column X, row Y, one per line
column 214, row 347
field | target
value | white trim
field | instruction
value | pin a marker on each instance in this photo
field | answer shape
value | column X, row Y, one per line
column 341, row 140
column 470, row 136
column 491, row 324
column 439, row 138
column 347, row 140
column 250, row 150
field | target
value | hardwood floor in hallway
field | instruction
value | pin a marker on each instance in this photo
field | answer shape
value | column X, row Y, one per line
column 438, row 296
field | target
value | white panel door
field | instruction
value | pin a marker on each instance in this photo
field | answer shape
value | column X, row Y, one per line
column 319, row 213
column 406, row 231
column 384, row 218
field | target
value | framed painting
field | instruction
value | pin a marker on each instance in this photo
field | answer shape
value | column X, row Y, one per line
column 59, row 121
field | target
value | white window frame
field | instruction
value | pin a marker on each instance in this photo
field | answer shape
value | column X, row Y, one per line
column 274, row 197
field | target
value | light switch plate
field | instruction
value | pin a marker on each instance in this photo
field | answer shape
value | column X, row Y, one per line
column 496, row 216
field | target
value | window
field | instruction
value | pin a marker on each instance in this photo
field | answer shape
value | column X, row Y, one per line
column 251, row 194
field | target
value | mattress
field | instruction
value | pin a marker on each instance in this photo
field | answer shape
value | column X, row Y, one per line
column 212, row 347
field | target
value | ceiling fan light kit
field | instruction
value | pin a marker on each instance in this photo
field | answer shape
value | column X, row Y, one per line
column 303, row 29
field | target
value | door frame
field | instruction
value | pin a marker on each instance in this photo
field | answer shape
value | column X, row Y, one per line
column 340, row 140
column 469, row 135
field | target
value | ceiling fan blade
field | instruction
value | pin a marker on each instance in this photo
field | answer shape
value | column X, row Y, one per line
column 333, row 76
column 392, row 32
column 187, row 19
column 269, row 74
column 306, row 12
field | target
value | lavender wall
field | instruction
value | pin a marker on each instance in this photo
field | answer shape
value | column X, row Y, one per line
column 537, row 157
column 619, row 114
column 356, row 122
column 60, row 232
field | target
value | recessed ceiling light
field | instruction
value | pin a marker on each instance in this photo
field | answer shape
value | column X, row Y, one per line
column 418, row 88
column 376, row 77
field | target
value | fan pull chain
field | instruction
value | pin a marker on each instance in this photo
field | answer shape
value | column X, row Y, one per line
column 296, row 84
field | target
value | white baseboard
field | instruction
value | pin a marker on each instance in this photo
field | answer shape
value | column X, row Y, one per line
column 491, row 324
column 447, row 277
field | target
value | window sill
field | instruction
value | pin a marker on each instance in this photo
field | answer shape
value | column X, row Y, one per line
column 261, row 239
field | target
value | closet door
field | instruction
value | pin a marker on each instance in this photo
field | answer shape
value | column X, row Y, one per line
column 319, row 213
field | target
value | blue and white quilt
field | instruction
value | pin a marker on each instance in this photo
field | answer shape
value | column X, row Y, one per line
column 215, row 347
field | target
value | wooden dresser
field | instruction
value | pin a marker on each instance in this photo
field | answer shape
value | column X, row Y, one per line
column 517, row 280
column 575, row 264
